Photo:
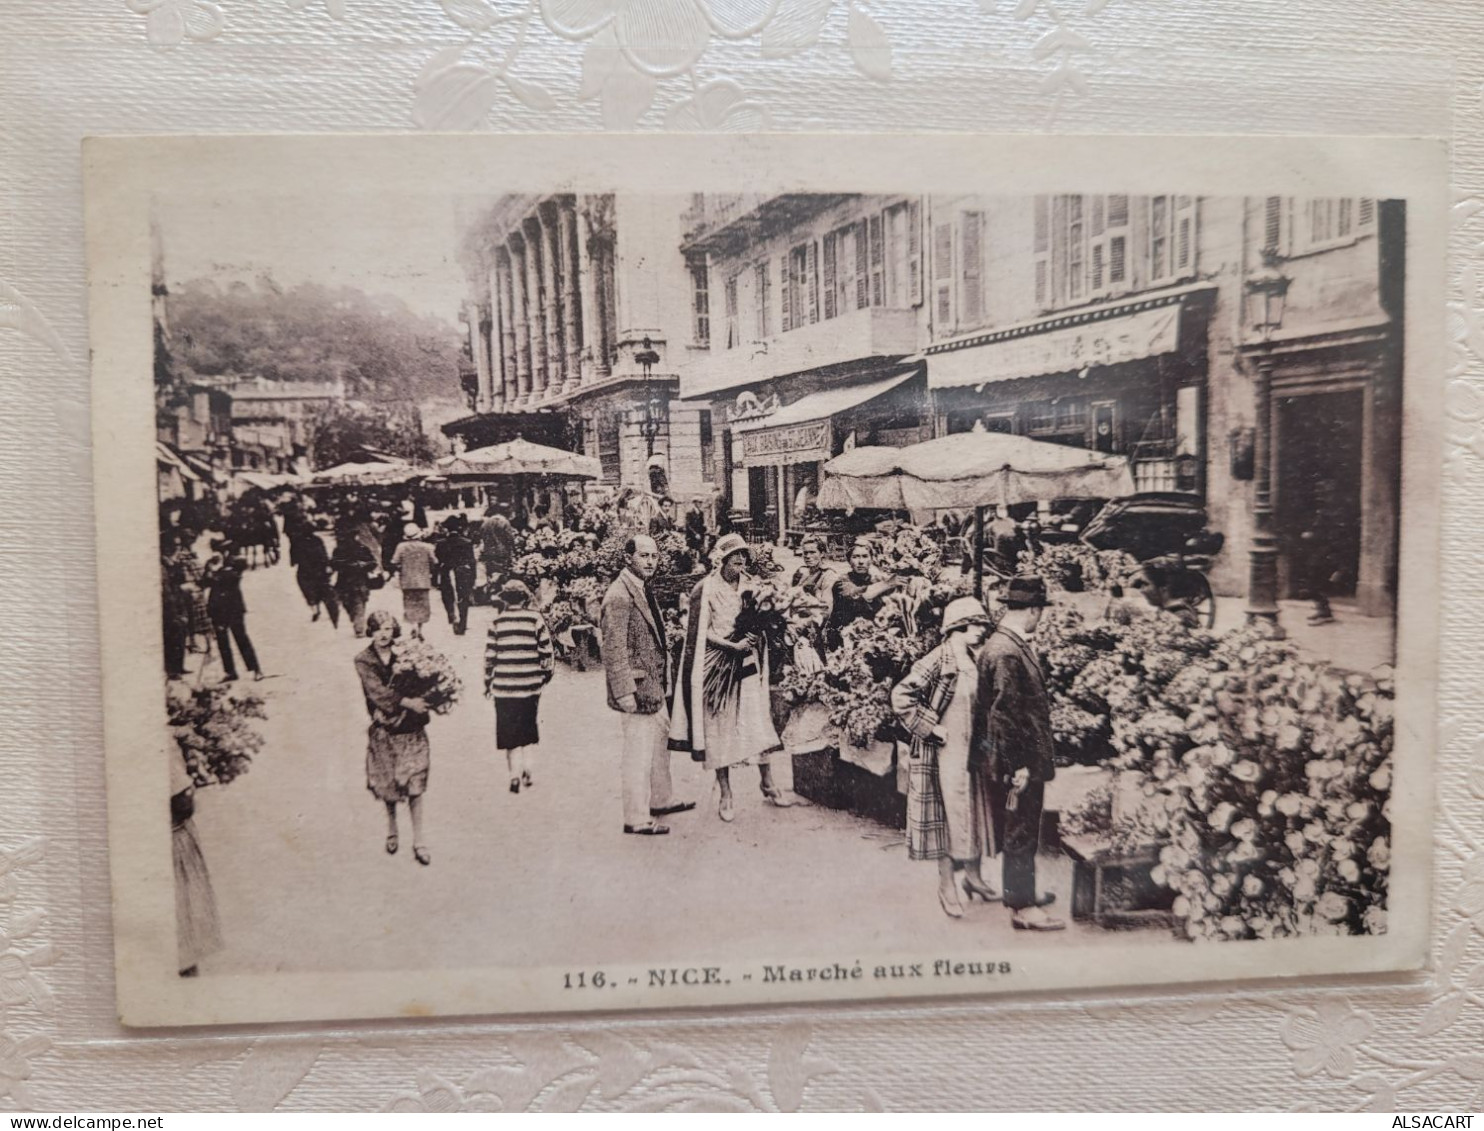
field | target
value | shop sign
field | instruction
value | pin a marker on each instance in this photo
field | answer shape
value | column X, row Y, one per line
column 798, row 443
column 1075, row 349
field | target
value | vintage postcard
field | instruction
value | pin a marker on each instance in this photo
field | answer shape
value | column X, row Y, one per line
column 608, row 573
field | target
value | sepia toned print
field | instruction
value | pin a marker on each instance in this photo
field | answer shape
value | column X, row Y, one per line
column 620, row 596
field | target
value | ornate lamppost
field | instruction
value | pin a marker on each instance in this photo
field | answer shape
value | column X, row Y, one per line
column 649, row 428
column 1267, row 291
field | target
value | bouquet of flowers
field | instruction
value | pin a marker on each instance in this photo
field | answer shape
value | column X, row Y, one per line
column 213, row 727
column 1076, row 567
column 420, row 671
column 762, row 623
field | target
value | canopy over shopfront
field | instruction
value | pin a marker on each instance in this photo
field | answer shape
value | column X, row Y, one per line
column 971, row 469
column 800, row 432
column 516, row 458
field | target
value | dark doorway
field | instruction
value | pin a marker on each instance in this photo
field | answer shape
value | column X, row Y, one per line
column 762, row 496
column 1319, row 467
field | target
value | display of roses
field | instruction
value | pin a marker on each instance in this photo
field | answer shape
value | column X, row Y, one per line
column 214, row 728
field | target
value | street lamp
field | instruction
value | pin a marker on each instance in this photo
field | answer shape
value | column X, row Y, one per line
column 1267, row 291
column 653, row 408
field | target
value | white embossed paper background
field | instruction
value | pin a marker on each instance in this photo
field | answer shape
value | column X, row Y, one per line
column 69, row 68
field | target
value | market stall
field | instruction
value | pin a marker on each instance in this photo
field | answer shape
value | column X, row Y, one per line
column 971, row 469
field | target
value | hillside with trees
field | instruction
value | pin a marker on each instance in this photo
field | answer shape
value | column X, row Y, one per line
column 381, row 348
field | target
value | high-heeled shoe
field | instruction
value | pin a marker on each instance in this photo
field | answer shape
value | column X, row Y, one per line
column 515, row 785
column 725, row 810
column 986, row 893
column 525, row 778
column 948, row 898
column 775, row 796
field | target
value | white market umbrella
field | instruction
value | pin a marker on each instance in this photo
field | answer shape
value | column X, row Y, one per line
column 971, row 469
column 368, row 473
column 519, row 457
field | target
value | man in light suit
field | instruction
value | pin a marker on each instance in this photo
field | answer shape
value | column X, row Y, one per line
column 637, row 664
column 1012, row 747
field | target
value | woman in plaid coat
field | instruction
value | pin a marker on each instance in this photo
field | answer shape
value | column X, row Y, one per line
column 946, row 813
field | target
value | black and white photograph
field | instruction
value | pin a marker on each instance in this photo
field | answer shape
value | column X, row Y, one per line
column 602, row 574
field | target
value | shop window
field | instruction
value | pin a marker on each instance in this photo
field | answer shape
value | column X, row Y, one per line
column 762, row 293
column 1064, row 420
column 700, row 304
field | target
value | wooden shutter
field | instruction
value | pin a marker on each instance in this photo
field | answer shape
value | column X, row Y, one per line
column 1365, row 215
column 811, row 280
column 1184, row 236
column 1041, row 251
column 1272, row 225
column 831, row 258
column 785, row 290
column 878, row 262
column 862, row 267
column 1116, row 235
column 914, row 253
column 1097, row 246
column 972, row 297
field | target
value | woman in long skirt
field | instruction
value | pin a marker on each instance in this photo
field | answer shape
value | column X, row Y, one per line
column 518, row 663
column 722, row 714
column 397, row 740
column 946, row 810
column 198, row 931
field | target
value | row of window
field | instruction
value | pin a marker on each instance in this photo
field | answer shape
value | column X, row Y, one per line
column 875, row 260
column 1083, row 247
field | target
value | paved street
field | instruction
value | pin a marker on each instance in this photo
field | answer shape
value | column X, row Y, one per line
column 295, row 847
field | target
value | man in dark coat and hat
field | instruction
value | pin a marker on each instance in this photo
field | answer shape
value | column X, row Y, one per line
column 1011, row 746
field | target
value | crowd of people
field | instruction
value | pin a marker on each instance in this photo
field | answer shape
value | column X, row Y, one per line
column 976, row 707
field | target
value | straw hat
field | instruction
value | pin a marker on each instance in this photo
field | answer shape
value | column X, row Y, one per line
column 410, row 530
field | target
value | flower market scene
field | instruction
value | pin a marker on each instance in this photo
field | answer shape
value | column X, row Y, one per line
column 933, row 572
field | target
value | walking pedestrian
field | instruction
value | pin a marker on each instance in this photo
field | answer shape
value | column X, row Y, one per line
column 946, row 814
column 456, row 571
column 722, row 714
column 198, row 931
column 313, row 570
column 397, row 753
column 354, row 565
column 638, row 670
column 228, row 610
column 518, row 663
column 1012, row 747
column 413, row 564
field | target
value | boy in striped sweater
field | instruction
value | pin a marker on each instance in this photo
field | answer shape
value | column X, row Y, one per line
column 518, row 663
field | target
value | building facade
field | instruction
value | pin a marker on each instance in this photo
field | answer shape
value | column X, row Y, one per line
column 1139, row 325
column 577, row 326
column 804, row 320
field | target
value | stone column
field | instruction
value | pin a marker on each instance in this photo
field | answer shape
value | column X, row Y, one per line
column 535, row 308
column 504, row 303
column 479, row 343
column 488, row 361
column 1262, row 586
column 571, row 327
column 588, row 294
column 550, row 267
column 520, row 303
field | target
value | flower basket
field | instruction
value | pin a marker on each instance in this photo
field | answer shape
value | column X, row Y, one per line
column 213, row 727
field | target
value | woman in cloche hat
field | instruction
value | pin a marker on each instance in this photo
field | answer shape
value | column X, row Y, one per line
column 946, row 812
column 721, row 713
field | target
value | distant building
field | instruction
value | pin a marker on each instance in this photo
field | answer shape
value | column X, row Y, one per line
column 577, row 325
column 272, row 421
